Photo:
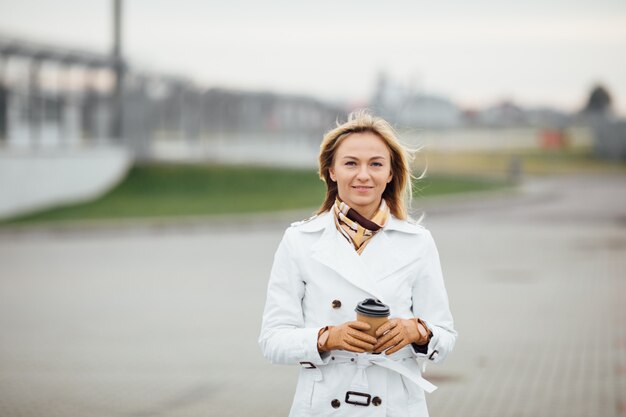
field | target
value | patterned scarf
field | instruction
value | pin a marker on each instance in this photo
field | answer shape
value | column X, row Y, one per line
column 355, row 228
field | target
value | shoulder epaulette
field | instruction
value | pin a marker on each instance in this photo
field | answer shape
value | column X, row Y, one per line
column 300, row 222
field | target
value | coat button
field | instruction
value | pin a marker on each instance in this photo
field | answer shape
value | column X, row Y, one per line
column 376, row 401
column 336, row 303
column 335, row 403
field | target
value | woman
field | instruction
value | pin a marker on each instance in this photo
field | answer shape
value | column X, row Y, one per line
column 359, row 245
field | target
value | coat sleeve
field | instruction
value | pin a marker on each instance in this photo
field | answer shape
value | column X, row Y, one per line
column 430, row 303
column 283, row 338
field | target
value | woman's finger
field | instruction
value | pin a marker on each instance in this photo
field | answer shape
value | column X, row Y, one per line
column 397, row 347
column 362, row 336
column 352, row 348
column 360, row 344
column 394, row 341
column 386, row 327
column 386, row 338
column 359, row 325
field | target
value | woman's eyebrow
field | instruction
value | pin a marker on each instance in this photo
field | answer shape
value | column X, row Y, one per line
column 373, row 157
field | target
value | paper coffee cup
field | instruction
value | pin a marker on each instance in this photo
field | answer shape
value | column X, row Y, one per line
column 373, row 312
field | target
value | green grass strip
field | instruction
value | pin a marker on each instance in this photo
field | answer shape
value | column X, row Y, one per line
column 163, row 190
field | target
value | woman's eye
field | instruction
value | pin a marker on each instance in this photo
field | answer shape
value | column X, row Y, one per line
column 350, row 163
column 377, row 164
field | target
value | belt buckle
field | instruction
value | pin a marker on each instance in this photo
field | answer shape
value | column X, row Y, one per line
column 358, row 394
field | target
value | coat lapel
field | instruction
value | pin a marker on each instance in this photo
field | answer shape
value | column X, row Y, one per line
column 392, row 248
column 382, row 256
column 342, row 258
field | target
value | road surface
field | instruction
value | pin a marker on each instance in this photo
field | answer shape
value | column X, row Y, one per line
column 163, row 320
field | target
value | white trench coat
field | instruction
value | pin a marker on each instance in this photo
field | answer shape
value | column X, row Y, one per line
column 317, row 279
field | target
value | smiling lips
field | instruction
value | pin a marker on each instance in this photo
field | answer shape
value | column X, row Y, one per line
column 362, row 189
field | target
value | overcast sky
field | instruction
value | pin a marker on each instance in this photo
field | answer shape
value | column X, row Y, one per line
column 476, row 52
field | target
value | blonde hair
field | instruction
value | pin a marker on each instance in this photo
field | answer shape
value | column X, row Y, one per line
column 398, row 192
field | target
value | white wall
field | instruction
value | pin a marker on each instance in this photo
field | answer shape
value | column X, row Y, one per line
column 35, row 179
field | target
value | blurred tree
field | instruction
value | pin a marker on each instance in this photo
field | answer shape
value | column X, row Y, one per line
column 599, row 100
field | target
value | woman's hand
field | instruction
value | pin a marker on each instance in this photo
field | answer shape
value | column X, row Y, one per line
column 397, row 333
column 349, row 336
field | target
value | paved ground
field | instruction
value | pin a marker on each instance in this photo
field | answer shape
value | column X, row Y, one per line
column 163, row 321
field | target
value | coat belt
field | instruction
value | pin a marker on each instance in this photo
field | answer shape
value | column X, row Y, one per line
column 392, row 362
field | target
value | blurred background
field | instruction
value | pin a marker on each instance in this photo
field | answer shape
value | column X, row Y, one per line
column 146, row 147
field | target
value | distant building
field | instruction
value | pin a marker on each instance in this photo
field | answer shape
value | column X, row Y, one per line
column 546, row 117
column 504, row 113
column 429, row 111
column 609, row 138
column 3, row 112
column 76, row 107
column 236, row 111
column 406, row 108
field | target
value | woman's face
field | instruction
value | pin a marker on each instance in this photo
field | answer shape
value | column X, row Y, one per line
column 362, row 169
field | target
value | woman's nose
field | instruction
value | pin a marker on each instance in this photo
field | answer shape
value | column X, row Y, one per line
column 363, row 173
